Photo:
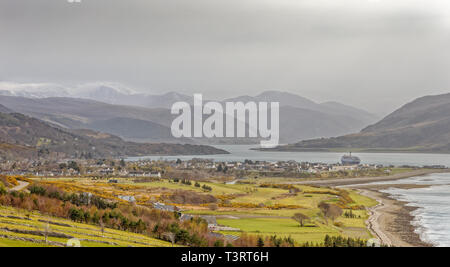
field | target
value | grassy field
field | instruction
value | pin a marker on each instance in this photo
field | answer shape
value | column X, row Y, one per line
column 279, row 222
column 20, row 228
column 4, row 243
column 263, row 219
column 281, row 228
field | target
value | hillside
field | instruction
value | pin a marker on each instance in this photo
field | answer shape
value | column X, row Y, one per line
column 300, row 117
column 19, row 132
column 73, row 113
column 21, row 228
column 11, row 151
column 420, row 126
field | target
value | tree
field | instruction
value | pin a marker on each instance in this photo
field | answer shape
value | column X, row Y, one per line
column 219, row 243
column 102, row 228
column 330, row 211
column 213, row 206
column 2, row 189
column 260, row 242
column 73, row 165
column 47, row 230
column 76, row 215
column 220, row 168
column 170, row 236
column 182, row 236
column 301, row 218
column 328, row 242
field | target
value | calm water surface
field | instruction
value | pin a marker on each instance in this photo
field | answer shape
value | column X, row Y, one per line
column 243, row 152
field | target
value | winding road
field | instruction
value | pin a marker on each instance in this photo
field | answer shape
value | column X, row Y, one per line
column 19, row 187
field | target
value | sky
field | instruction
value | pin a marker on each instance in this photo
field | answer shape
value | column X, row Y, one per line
column 372, row 54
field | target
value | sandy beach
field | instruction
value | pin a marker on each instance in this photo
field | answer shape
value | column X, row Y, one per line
column 390, row 221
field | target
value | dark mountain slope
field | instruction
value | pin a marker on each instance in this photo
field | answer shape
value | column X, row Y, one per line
column 20, row 130
column 4, row 109
column 75, row 113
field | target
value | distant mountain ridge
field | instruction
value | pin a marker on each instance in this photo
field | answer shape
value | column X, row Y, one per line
column 293, row 100
column 102, row 92
column 300, row 118
column 422, row 125
column 110, row 95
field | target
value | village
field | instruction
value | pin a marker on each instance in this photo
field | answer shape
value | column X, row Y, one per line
column 158, row 168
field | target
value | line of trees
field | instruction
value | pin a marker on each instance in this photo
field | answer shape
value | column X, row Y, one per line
column 76, row 199
column 339, row 241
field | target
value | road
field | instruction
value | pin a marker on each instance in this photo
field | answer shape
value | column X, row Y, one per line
column 19, row 187
column 365, row 180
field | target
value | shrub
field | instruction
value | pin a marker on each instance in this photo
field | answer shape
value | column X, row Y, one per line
column 207, row 188
column 219, row 243
column 37, row 190
column 2, row 189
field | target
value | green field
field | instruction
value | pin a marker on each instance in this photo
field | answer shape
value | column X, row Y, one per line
column 282, row 228
column 279, row 222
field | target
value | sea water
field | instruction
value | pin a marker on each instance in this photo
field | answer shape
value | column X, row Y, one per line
column 243, row 152
column 432, row 216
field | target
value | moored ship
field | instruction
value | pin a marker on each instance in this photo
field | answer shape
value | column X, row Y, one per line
column 350, row 160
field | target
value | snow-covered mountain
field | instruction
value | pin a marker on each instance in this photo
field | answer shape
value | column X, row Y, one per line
column 111, row 93
column 33, row 90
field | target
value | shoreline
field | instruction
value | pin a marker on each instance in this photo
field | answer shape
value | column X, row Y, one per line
column 288, row 148
column 365, row 180
column 391, row 221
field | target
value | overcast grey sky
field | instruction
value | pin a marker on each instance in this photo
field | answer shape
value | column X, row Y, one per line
column 374, row 54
